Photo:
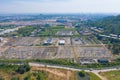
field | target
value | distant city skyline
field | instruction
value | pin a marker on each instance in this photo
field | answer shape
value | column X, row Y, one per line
column 59, row 6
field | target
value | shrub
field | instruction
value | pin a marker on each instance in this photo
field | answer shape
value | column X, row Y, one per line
column 81, row 74
column 23, row 68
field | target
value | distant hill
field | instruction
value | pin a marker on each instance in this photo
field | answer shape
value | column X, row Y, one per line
column 110, row 24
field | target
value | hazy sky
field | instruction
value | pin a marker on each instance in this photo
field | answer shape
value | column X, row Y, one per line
column 59, row 6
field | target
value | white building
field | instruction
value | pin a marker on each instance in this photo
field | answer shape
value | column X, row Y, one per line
column 61, row 42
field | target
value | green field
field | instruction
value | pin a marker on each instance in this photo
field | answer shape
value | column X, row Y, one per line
column 111, row 75
column 51, row 31
column 93, row 76
column 82, row 75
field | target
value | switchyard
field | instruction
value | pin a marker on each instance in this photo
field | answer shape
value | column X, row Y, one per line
column 32, row 48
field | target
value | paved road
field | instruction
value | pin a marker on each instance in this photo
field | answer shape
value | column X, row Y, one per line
column 74, row 69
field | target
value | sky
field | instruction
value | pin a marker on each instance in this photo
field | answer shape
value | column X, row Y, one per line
column 59, row 6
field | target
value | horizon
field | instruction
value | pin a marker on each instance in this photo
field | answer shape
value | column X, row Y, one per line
column 59, row 13
column 59, row 6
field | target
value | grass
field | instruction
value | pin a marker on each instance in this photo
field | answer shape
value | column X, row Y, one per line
column 62, row 62
column 8, row 68
column 57, row 27
column 51, row 31
column 8, row 71
column 93, row 76
column 111, row 75
column 82, row 75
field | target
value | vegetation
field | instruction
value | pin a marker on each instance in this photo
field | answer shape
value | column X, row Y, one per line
column 52, row 30
column 8, row 67
column 112, row 44
column 72, row 64
column 15, row 78
column 23, row 68
column 25, row 31
column 1, row 78
column 28, row 77
column 41, row 75
column 36, row 73
column 111, row 75
column 111, row 25
column 58, row 27
column 81, row 74
column 18, row 74
column 47, row 30
column 62, row 62
column 93, row 76
column 8, row 72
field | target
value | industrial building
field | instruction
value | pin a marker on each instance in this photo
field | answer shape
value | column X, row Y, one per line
column 61, row 42
column 48, row 41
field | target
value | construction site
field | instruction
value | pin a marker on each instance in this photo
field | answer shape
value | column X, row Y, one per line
column 52, row 48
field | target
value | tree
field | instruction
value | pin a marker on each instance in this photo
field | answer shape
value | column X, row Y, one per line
column 27, row 77
column 81, row 74
column 38, row 77
column 23, row 68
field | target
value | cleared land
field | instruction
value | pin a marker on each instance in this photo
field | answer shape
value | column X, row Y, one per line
column 27, row 52
column 8, row 72
column 57, row 74
column 43, row 72
column 32, row 47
